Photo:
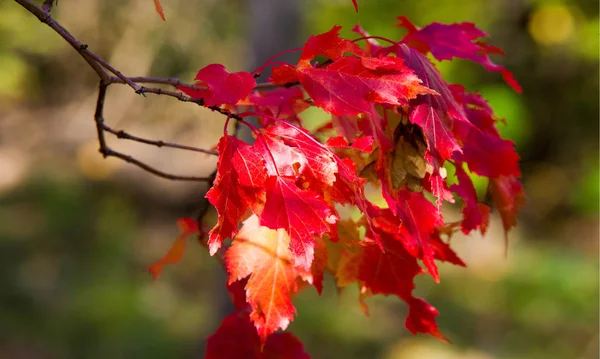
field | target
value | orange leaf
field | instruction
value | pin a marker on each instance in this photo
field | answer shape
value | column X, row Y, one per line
column 159, row 9
column 264, row 255
column 187, row 226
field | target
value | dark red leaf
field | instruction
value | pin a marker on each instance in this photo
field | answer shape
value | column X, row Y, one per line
column 236, row 338
column 455, row 40
column 419, row 220
column 474, row 215
column 421, row 318
column 508, row 197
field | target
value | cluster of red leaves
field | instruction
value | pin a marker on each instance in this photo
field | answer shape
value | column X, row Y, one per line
column 396, row 124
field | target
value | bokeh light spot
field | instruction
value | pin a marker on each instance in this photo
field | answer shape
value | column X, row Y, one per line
column 551, row 24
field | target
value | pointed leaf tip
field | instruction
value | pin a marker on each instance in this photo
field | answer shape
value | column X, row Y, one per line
column 159, row 9
column 355, row 3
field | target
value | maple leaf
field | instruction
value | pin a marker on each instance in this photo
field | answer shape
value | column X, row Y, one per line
column 329, row 44
column 283, row 74
column 187, row 226
column 483, row 150
column 351, row 85
column 419, row 220
column 436, row 184
column 455, row 40
column 224, row 195
column 302, row 213
column 223, row 87
column 508, row 197
column 393, row 272
column 474, row 215
column 314, row 160
column 434, row 114
column 421, row 318
column 489, row 155
column 389, row 272
column 263, row 255
column 443, row 252
column 282, row 103
column 159, row 9
column 237, row 338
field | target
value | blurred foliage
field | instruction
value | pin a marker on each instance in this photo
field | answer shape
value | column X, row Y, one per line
column 77, row 231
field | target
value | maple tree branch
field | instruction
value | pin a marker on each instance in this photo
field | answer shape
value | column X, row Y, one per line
column 47, row 6
column 102, row 69
column 44, row 16
column 108, row 152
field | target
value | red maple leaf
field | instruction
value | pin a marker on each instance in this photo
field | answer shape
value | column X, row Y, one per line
column 489, row 155
column 483, row 150
column 436, row 184
column 436, row 115
column 393, row 272
column 236, row 338
column 263, row 255
column 351, row 85
column 475, row 215
column 455, row 40
column 419, row 218
column 224, row 195
column 508, row 197
column 443, row 252
column 421, row 318
column 282, row 103
column 302, row 213
column 223, row 87
column 283, row 74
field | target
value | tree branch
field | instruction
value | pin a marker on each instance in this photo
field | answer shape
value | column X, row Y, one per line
column 102, row 69
column 108, row 152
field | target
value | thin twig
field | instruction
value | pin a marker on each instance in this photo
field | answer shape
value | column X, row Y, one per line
column 44, row 17
column 126, row 136
column 108, row 152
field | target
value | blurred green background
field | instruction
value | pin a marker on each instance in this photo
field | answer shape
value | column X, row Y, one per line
column 78, row 231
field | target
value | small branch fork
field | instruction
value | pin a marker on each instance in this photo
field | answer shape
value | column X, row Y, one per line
column 109, row 75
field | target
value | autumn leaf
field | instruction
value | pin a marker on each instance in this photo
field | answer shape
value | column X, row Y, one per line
column 263, row 255
column 187, row 226
column 224, row 195
column 421, row 318
column 446, row 42
column 223, row 87
column 419, row 220
column 474, row 215
column 508, row 197
column 391, row 271
column 283, row 74
column 352, row 85
column 302, row 213
column 159, row 9
column 443, row 252
column 237, row 338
